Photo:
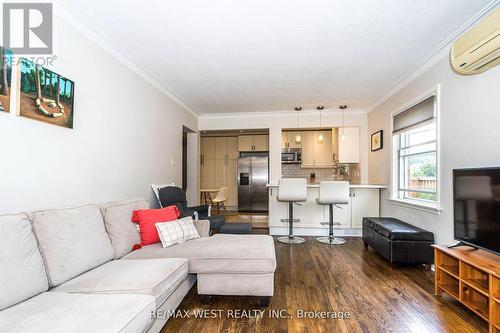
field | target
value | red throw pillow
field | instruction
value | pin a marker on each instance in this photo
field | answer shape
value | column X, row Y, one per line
column 146, row 218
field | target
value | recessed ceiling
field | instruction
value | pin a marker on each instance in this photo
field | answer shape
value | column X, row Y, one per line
column 225, row 56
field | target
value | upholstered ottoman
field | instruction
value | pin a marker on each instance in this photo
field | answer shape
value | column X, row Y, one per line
column 216, row 222
column 397, row 241
column 236, row 228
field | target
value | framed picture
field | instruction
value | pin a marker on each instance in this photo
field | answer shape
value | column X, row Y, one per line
column 377, row 140
column 45, row 95
column 5, row 78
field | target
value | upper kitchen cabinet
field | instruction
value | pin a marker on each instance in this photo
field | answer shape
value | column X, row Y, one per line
column 316, row 152
column 323, row 156
column 348, row 145
column 245, row 143
column 288, row 140
column 253, row 143
column 226, row 147
column 307, row 149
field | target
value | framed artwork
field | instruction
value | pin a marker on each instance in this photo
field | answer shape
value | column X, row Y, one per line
column 377, row 140
column 5, row 78
column 45, row 95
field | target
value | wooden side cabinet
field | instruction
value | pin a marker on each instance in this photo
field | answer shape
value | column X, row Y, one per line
column 472, row 277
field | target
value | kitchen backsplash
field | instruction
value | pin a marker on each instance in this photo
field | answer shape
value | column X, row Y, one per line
column 296, row 171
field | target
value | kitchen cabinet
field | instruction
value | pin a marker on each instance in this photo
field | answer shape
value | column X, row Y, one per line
column 342, row 214
column 288, row 140
column 218, row 166
column 245, row 143
column 226, row 147
column 307, row 149
column 335, row 144
column 316, row 153
column 207, row 173
column 323, row 149
column 208, row 147
column 253, row 143
column 349, row 145
column 364, row 202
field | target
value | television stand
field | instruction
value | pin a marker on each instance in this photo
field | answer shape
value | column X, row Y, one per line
column 460, row 243
column 472, row 277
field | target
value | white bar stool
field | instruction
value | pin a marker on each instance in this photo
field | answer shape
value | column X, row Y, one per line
column 332, row 193
column 291, row 190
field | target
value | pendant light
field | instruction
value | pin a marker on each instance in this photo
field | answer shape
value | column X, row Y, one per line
column 320, row 136
column 298, row 138
column 342, row 135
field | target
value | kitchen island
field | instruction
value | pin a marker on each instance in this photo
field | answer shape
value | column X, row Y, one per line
column 364, row 200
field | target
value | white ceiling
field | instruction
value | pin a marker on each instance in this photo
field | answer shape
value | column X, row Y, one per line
column 224, row 56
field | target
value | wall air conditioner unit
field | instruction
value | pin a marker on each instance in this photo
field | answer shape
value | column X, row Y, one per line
column 479, row 49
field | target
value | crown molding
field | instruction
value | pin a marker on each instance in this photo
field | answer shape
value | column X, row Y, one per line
column 440, row 52
column 274, row 114
column 84, row 25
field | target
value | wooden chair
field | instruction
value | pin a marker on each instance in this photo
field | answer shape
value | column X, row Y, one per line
column 220, row 200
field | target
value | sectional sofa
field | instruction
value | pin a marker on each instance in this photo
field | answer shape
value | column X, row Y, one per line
column 73, row 270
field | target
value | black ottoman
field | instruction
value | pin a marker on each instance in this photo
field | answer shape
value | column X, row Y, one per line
column 236, row 228
column 216, row 222
column 397, row 241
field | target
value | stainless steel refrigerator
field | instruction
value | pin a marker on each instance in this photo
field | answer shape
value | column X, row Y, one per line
column 253, row 175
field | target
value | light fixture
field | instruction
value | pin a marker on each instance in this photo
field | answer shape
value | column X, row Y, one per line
column 320, row 136
column 298, row 138
column 342, row 135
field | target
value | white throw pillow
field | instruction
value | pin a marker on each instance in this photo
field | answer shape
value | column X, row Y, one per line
column 176, row 232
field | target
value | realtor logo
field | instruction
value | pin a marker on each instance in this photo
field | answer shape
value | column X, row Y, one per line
column 27, row 27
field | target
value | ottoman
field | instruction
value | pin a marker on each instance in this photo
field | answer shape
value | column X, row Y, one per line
column 397, row 241
column 216, row 222
column 236, row 228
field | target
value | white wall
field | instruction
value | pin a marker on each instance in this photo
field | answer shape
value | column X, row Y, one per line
column 469, row 136
column 276, row 121
column 127, row 135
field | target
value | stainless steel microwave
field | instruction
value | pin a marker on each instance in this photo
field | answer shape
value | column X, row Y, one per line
column 291, row 155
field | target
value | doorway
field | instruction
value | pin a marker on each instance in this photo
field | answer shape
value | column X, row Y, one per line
column 189, row 164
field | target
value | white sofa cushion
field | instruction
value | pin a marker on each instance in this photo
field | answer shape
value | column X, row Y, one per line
column 156, row 277
column 176, row 232
column 221, row 253
column 62, row 313
column 22, row 273
column 118, row 221
column 72, row 241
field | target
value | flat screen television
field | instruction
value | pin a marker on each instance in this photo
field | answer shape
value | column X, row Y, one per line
column 476, row 205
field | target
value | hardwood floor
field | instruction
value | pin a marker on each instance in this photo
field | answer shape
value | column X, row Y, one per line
column 346, row 278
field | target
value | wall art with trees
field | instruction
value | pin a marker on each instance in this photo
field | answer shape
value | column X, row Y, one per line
column 5, row 78
column 45, row 95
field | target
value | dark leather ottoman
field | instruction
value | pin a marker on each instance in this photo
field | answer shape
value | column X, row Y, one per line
column 236, row 228
column 216, row 222
column 397, row 241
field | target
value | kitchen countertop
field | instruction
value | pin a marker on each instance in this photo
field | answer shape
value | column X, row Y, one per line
column 375, row 186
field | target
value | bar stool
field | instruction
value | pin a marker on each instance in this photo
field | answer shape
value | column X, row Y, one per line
column 291, row 190
column 332, row 193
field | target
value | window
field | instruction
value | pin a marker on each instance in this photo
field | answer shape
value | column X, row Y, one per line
column 415, row 154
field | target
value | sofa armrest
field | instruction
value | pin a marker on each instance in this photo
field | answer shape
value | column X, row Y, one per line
column 203, row 227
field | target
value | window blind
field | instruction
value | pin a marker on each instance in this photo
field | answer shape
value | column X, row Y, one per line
column 417, row 115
